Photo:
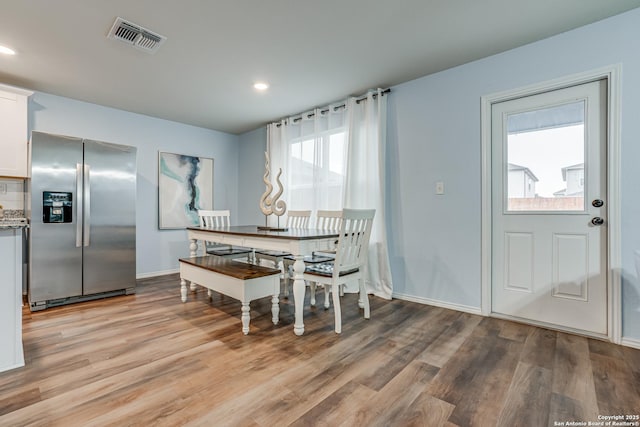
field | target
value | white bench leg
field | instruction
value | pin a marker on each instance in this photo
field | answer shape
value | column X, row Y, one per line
column 245, row 317
column 275, row 309
column 183, row 290
column 210, row 294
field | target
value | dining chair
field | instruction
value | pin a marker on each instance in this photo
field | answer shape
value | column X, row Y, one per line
column 350, row 261
column 326, row 220
column 217, row 219
column 295, row 220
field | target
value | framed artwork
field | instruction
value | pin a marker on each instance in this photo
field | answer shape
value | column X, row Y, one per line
column 185, row 185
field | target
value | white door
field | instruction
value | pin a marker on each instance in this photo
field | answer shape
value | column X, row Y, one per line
column 549, row 225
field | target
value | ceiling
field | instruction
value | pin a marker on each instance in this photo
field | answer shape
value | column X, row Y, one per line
column 311, row 52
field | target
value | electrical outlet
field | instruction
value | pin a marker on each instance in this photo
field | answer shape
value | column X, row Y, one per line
column 439, row 187
column 3, row 188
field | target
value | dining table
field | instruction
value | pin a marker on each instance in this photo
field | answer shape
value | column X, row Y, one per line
column 296, row 241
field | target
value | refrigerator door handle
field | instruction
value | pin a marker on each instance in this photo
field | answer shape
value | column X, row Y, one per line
column 79, row 205
column 87, row 206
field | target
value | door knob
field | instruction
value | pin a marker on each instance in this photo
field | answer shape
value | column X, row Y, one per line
column 597, row 221
column 597, row 203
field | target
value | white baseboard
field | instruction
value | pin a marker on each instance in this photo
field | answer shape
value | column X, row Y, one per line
column 157, row 273
column 8, row 368
column 437, row 303
column 630, row 342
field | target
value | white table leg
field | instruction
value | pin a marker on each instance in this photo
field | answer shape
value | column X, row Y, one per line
column 298, row 294
column 193, row 247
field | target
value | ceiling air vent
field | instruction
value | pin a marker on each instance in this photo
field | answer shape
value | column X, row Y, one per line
column 135, row 35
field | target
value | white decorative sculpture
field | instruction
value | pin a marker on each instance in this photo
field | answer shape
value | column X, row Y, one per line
column 268, row 204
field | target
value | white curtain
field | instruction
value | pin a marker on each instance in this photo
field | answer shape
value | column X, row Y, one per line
column 333, row 158
column 365, row 181
column 314, row 151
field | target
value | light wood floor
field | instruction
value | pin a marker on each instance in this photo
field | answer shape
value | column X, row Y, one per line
column 149, row 360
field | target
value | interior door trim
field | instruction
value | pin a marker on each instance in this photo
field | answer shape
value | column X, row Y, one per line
column 612, row 75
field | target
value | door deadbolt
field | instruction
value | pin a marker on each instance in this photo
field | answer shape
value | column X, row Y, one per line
column 597, row 203
column 597, row 221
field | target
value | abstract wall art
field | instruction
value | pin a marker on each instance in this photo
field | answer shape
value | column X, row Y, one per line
column 185, row 185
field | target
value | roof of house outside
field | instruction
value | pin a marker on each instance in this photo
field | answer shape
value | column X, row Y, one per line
column 514, row 167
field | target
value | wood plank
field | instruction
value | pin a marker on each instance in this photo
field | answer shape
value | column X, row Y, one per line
column 10, row 402
column 426, row 410
column 407, row 345
column 616, row 388
column 148, row 359
column 515, row 331
column 483, row 368
column 447, row 344
column 573, row 375
column 331, row 409
column 528, row 398
column 540, row 348
column 563, row 408
column 395, row 397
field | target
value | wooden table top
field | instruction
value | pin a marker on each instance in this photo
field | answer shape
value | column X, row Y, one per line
column 252, row 230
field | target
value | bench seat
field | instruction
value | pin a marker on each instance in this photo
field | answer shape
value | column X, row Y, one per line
column 239, row 280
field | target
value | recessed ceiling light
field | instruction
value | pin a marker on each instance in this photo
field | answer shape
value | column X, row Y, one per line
column 6, row 50
column 261, row 86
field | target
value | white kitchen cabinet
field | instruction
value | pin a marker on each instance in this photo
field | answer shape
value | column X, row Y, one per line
column 14, row 147
column 11, row 352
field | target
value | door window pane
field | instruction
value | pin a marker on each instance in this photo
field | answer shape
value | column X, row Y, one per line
column 545, row 159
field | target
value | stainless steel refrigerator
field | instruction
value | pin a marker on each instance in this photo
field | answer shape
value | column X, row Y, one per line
column 83, row 220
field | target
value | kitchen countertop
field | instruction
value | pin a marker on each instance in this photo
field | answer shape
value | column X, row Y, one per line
column 10, row 223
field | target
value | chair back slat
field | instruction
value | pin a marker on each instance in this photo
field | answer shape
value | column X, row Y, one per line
column 214, row 219
column 298, row 219
column 353, row 241
column 328, row 220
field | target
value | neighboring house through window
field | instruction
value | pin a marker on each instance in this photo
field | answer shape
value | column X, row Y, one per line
column 522, row 182
column 574, row 177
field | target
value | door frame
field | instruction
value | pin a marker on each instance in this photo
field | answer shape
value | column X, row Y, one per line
column 611, row 74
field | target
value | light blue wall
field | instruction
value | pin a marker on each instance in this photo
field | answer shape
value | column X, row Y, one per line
column 434, row 135
column 157, row 250
column 252, row 147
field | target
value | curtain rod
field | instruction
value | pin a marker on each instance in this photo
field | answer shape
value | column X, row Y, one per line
column 337, row 107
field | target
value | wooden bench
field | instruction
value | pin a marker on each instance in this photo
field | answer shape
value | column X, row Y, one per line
column 239, row 280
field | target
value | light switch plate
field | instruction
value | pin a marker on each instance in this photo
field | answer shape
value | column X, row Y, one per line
column 3, row 188
column 439, row 187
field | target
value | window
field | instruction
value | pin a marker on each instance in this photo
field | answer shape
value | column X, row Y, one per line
column 547, row 146
column 317, row 170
